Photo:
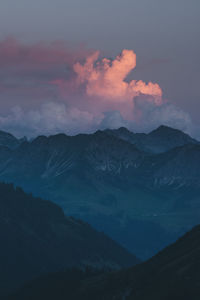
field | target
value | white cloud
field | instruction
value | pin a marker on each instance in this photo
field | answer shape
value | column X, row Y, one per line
column 50, row 118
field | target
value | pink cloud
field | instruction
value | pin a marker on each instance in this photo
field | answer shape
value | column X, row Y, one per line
column 106, row 79
column 105, row 86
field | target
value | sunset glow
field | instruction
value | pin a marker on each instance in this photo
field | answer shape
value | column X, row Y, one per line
column 106, row 79
column 55, row 87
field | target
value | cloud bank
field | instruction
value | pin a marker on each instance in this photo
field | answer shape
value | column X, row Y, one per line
column 51, row 88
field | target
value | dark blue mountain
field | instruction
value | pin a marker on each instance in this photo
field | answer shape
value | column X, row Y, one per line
column 37, row 238
column 160, row 140
column 8, row 140
column 172, row 274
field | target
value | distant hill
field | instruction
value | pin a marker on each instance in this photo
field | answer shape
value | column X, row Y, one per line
column 172, row 274
column 36, row 237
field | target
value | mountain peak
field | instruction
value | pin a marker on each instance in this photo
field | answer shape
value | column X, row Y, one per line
column 122, row 133
column 163, row 129
column 120, row 130
column 123, row 130
column 165, row 138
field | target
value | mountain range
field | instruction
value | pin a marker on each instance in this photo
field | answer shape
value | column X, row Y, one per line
column 140, row 189
column 160, row 140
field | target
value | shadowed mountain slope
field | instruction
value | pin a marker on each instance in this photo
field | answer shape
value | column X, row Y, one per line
column 172, row 274
column 36, row 237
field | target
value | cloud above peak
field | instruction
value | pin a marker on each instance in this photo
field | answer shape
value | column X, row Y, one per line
column 106, row 79
column 49, row 88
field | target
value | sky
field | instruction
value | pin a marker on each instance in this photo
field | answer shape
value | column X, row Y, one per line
column 82, row 65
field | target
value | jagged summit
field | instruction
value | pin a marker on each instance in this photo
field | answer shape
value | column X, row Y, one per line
column 159, row 140
column 163, row 130
column 122, row 130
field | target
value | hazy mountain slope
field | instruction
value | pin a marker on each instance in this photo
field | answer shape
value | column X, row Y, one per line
column 36, row 237
column 8, row 140
column 172, row 274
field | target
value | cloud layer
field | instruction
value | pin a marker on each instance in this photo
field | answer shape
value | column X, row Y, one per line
column 46, row 89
